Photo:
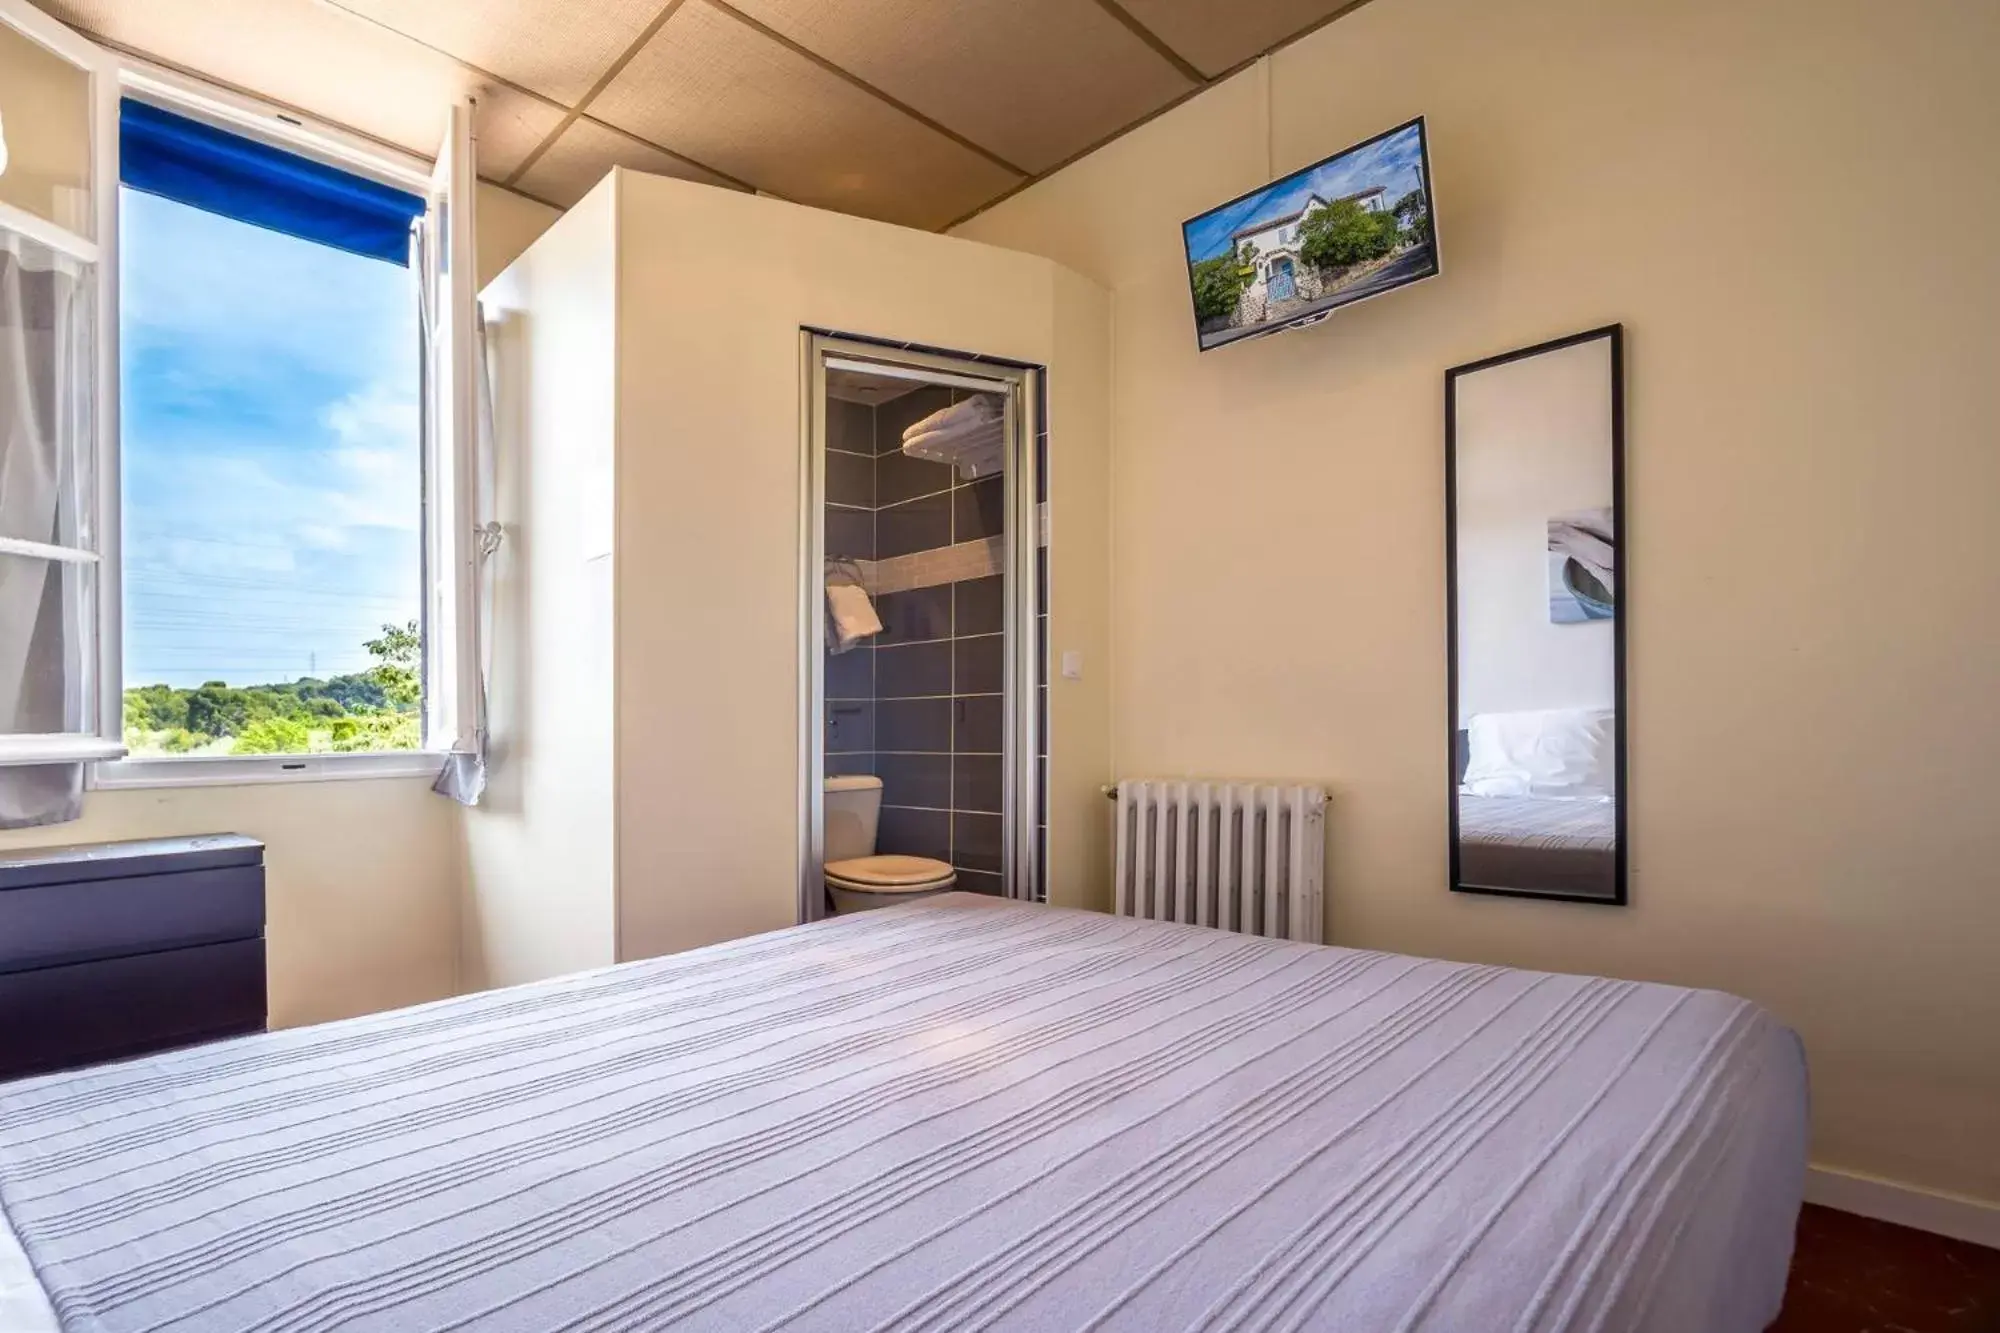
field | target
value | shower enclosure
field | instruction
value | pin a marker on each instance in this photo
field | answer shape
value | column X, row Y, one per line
column 922, row 487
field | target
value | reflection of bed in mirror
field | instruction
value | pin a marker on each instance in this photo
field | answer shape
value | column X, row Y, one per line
column 1553, row 844
column 1535, row 807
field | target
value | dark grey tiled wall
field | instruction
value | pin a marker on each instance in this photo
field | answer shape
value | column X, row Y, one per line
column 850, row 534
column 920, row 706
column 938, row 726
column 938, row 661
column 850, row 481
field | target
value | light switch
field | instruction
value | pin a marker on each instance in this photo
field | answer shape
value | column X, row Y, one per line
column 1072, row 665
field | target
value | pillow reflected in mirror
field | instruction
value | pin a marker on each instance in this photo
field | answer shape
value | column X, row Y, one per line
column 1549, row 752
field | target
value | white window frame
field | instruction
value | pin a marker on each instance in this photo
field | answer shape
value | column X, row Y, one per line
column 446, row 509
column 96, row 741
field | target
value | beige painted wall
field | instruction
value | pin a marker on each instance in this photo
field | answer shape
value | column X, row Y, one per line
column 1079, row 851
column 45, row 113
column 507, row 224
column 709, row 530
column 359, row 882
column 1790, row 204
column 538, row 892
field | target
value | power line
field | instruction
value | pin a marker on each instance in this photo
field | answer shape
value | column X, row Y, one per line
column 132, row 536
column 265, row 585
column 224, row 625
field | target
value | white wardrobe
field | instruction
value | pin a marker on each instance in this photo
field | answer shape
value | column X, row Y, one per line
column 645, row 705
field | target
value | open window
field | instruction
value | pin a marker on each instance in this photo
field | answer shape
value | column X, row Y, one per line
column 245, row 552
column 57, row 237
column 447, row 247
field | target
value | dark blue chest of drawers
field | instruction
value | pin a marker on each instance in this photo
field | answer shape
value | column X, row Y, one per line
column 121, row 948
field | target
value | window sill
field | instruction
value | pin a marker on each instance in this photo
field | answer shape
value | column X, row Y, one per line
column 247, row 770
column 67, row 749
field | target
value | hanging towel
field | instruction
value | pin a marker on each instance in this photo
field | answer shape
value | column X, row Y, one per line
column 850, row 615
column 970, row 436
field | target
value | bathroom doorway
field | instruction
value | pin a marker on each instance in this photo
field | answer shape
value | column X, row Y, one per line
column 923, row 664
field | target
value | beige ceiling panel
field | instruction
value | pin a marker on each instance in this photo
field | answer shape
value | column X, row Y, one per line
column 331, row 65
column 559, row 48
column 724, row 94
column 587, row 151
column 1034, row 81
column 509, row 124
column 1213, row 36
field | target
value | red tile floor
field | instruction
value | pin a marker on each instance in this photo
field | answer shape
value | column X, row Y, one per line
column 1855, row 1275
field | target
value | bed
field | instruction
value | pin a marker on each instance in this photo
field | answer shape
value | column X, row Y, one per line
column 1550, row 844
column 962, row 1113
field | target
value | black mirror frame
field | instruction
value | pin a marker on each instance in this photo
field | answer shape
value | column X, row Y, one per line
column 1616, row 334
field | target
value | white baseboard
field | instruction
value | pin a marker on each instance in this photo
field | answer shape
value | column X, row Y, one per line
column 1941, row 1214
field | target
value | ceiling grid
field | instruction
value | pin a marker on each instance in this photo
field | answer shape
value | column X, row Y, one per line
column 910, row 111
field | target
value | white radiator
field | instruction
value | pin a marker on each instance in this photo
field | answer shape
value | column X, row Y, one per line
column 1240, row 856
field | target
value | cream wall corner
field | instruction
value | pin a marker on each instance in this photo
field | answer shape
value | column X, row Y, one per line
column 1080, row 596
column 507, row 224
column 1788, row 206
column 539, row 893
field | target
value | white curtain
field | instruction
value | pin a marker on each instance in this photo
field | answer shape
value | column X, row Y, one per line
column 463, row 777
column 45, row 605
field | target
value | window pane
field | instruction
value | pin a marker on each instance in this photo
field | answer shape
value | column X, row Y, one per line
column 272, row 481
column 45, row 116
column 46, row 615
column 47, row 370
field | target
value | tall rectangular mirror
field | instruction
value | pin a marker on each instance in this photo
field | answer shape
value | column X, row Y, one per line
column 1535, row 581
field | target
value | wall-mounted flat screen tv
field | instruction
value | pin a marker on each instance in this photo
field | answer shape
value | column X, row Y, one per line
column 1356, row 225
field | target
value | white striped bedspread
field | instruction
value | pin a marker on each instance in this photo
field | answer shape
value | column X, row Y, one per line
column 957, row 1114
column 1538, row 821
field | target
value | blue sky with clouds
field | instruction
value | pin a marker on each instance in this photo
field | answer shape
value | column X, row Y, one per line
column 271, row 467
column 1395, row 163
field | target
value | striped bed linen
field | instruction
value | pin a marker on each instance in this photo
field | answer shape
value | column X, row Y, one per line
column 1538, row 821
column 1538, row 843
column 958, row 1114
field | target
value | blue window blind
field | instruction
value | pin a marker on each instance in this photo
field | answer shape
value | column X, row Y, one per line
column 199, row 165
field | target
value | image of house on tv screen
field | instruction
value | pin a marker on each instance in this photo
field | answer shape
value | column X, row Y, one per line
column 1354, row 226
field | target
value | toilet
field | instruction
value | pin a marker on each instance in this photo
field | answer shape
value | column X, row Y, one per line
column 856, row 878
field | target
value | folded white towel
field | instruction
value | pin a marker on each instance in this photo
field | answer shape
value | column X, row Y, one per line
column 956, row 438
column 850, row 614
column 973, row 457
column 971, row 414
column 970, row 436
